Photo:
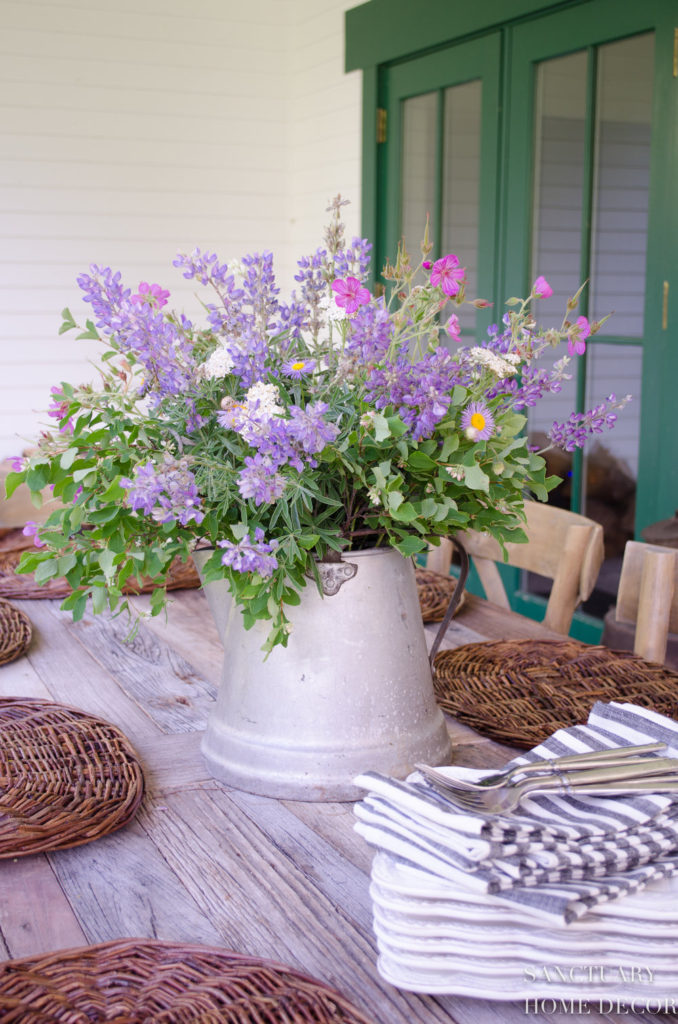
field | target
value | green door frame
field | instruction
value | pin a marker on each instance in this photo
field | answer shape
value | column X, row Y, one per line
column 383, row 35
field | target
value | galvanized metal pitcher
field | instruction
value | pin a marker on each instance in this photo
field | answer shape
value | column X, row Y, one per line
column 352, row 691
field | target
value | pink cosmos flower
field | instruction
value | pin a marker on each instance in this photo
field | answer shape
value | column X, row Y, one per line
column 350, row 294
column 578, row 332
column 542, row 289
column 477, row 421
column 151, row 295
column 453, row 327
column 448, row 274
column 31, row 530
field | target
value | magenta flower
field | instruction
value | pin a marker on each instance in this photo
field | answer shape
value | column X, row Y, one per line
column 453, row 327
column 17, row 463
column 576, row 335
column 151, row 295
column 427, row 264
column 298, row 368
column 31, row 530
column 542, row 289
column 350, row 294
column 477, row 421
column 448, row 274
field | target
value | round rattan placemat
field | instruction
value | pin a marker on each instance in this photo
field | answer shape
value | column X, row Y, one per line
column 435, row 592
column 145, row 981
column 520, row 691
column 182, row 575
column 15, row 632
column 67, row 777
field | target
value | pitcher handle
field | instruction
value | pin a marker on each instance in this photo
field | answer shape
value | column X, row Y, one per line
column 454, row 600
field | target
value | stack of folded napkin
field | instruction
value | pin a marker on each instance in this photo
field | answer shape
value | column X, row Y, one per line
column 555, row 862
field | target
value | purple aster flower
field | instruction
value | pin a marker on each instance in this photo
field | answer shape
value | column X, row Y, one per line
column 350, row 294
column 250, row 555
column 447, row 273
column 298, row 368
column 477, row 421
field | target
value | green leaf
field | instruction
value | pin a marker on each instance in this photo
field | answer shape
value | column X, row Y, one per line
column 37, row 476
column 46, row 570
column 410, row 545
column 106, row 560
column 406, row 513
column 308, row 540
column 12, row 481
column 394, row 500
column 79, row 606
column 68, row 458
column 66, row 563
column 99, row 601
column 90, row 333
column 476, row 479
column 381, row 427
column 419, row 460
column 81, row 475
column 158, row 600
column 396, row 426
column 68, row 321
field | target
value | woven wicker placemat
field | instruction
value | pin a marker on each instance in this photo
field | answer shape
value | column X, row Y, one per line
column 520, row 691
column 182, row 575
column 67, row 777
column 435, row 592
column 145, row 981
column 15, row 632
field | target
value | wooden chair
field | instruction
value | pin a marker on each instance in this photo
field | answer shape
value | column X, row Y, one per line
column 563, row 546
column 647, row 597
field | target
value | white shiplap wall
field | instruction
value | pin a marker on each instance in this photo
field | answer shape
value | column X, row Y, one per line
column 128, row 132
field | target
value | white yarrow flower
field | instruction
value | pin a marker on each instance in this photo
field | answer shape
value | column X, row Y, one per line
column 219, row 363
column 491, row 361
column 266, row 399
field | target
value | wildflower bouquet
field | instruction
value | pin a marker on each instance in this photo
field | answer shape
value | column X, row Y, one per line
column 286, row 433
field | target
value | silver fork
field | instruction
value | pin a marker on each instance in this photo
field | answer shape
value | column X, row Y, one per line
column 594, row 758
column 662, row 776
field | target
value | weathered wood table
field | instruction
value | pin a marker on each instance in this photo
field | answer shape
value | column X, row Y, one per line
column 201, row 862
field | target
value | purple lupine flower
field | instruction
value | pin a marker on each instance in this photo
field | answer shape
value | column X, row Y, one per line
column 31, row 530
column 309, row 428
column 370, row 333
column 354, row 261
column 259, row 481
column 144, row 490
column 255, row 555
column 169, row 493
column 478, row 421
column 447, row 273
column 576, row 430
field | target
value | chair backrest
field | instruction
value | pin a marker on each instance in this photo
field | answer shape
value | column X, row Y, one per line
column 562, row 546
column 648, row 596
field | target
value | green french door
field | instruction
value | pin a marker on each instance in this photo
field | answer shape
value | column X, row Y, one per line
column 549, row 147
column 440, row 162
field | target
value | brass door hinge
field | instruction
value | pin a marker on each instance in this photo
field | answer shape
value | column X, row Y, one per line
column 381, row 124
column 665, row 306
column 675, row 53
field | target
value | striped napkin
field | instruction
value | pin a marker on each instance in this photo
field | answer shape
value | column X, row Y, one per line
column 555, row 855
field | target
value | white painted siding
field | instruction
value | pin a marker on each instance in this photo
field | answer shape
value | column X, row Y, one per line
column 131, row 131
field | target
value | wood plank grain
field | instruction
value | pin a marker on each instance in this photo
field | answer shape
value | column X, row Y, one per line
column 174, row 761
column 35, row 915
column 19, row 679
column 122, row 887
column 72, row 676
column 263, row 904
column 149, row 671
column 188, row 627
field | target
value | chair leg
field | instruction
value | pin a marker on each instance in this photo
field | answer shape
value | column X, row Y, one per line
column 654, row 605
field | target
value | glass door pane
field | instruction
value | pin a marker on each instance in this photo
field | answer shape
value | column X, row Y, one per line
column 592, row 126
column 440, row 160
